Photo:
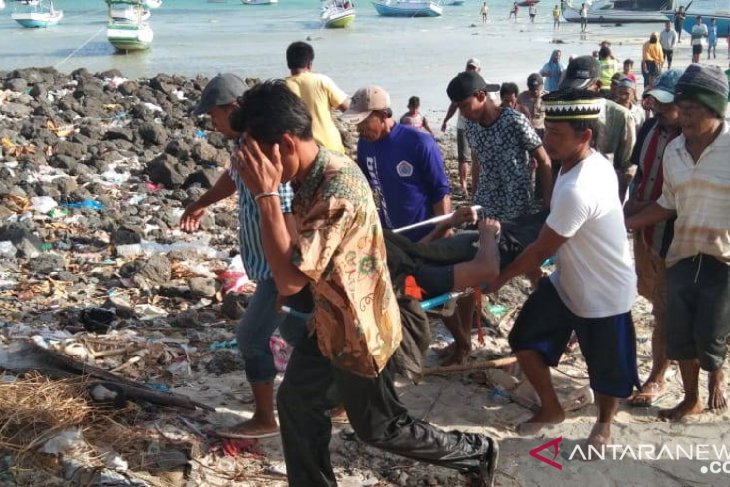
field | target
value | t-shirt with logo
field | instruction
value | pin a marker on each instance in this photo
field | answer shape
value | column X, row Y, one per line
column 406, row 172
column 595, row 276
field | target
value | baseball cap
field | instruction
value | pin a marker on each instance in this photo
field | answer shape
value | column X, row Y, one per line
column 466, row 84
column 582, row 72
column 224, row 89
column 665, row 85
column 474, row 62
column 534, row 80
column 626, row 82
column 365, row 101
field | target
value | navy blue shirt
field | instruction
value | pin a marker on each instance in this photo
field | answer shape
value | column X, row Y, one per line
column 406, row 172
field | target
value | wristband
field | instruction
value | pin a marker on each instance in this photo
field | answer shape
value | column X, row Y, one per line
column 265, row 195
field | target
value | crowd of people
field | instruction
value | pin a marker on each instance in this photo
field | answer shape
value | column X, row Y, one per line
column 577, row 149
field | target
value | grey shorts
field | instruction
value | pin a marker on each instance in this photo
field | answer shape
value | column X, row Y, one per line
column 698, row 311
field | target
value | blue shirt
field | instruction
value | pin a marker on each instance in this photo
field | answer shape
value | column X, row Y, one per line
column 712, row 34
column 249, row 232
column 406, row 172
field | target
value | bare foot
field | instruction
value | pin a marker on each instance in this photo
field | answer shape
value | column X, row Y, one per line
column 252, row 428
column 542, row 418
column 687, row 407
column 646, row 396
column 458, row 356
column 716, row 401
column 447, row 351
column 599, row 437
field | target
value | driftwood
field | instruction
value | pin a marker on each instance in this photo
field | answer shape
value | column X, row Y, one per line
column 484, row 364
column 25, row 357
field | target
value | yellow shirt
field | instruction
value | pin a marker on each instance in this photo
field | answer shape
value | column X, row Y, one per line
column 556, row 13
column 320, row 94
column 341, row 249
column 653, row 52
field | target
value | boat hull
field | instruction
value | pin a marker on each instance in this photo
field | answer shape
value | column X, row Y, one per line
column 405, row 10
column 129, row 37
column 453, row 3
column 615, row 16
column 723, row 21
column 37, row 20
column 259, row 2
column 339, row 21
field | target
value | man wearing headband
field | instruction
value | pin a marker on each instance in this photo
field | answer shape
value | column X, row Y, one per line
column 593, row 287
column 695, row 191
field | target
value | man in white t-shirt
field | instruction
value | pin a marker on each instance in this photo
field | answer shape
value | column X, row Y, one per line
column 593, row 288
column 699, row 32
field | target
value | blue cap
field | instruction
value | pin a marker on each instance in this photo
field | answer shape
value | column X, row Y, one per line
column 665, row 86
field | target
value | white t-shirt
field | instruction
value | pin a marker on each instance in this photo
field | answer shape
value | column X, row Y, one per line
column 595, row 275
column 584, row 13
column 699, row 32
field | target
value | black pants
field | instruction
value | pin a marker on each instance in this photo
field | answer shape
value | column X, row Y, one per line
column 698, row 311
column 312, row 386
column 668, row 53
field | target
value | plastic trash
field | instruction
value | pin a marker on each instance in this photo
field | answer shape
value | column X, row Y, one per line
column 499, row 395
column 58, row 213
column 43, row 204
column 97, row 320
column 64, row 441
column 498, row 310
column 281, row 352
column 225, row 345
column 94, row 205
column 148, row 248
column 7, row 249
column 200, row 134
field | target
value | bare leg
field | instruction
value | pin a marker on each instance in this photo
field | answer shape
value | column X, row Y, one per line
column 463, row 169
column 538, row 373
column 601, row 432
column 654, row 384
column 716, row 385
column 462, row 341
column 690, row 370
column 263, row 422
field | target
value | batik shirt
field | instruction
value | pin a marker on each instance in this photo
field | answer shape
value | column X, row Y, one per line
column 502, row 152
column 341, row 249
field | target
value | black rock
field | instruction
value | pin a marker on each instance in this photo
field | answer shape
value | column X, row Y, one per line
column 39, row 92
column 63, row 162
column 226, row 220
column 120, row 305
column 125, row 235
column 186, row 319
column 71, row 149
column 164, row 171
column 128, row 88
column 153, row 133
column 157, row 270
column 15, row 110
column 27, row 243
column 47, row 263
column 203, row 286
column 119, row 133
column 65, row 186
column 179, row 149
column 110, row 73
column 218, row 140
column 204, row 177
column 162, row 83
column 16, row 84
column 233, row 305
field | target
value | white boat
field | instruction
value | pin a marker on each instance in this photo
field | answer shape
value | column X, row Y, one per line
column 2, row 4
column 618, row 11
column 259, row 2
column 337, row 14
column 153, row 4
column 453, row 3
column 408, row 8
column 129, row 34
column 128, row 13
column 36, row 13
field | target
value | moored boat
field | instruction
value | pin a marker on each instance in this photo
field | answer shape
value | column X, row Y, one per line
column 337, row 14
column 129, row 34
column 408, row 8
column 618, row 11
column 35, row 14
column 259, row 2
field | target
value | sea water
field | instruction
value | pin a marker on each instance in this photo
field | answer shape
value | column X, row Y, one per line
column 407, row 56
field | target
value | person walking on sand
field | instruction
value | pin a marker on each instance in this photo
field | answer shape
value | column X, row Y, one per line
column 695, row 191
column 262, row 316
column 514, row 11
column 652, row 60
column 593, row 287
column 679, row 16
column 532, row 12
column 698, row 34
column 652, row 242
column 319, row 93
column 712, row 39
column 339, row 253
column 484, row 11
column 556, row 17
column 583, row 17
column 414, row 118
column 668, row 39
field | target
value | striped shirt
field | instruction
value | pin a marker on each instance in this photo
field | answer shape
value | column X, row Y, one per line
column 249, row 232
column 651, row 143
column 699, row 194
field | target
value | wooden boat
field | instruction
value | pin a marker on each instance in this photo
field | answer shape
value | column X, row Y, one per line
column 452, row 3
column 259, row 2
column 408, row 8
column 35, row 14
column 337, row 14
column 528, row 3
column 129, row 34
column 129, row 13
column 618, row 11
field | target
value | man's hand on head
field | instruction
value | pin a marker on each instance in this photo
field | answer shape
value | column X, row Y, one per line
column 259, row 173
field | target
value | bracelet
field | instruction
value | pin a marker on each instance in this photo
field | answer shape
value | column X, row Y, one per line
column 265, row 195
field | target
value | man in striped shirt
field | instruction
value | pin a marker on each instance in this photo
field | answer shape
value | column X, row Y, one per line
column 651, row 243
column 696, row 188
column 262, row 317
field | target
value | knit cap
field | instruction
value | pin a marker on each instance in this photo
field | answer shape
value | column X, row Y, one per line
column 706, row 85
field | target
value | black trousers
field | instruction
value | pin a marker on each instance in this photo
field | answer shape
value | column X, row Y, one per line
column 312, row 386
